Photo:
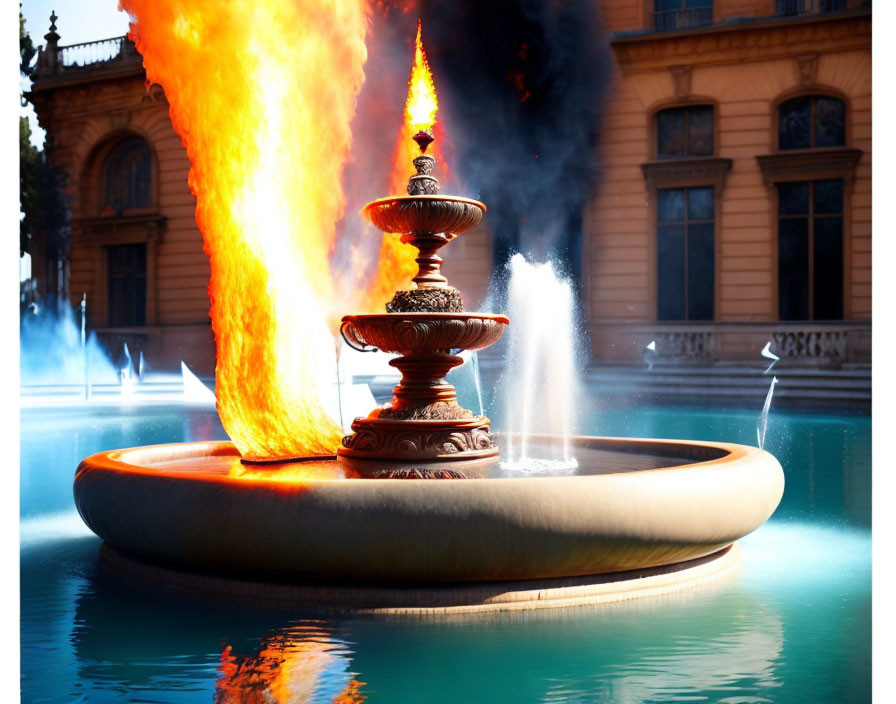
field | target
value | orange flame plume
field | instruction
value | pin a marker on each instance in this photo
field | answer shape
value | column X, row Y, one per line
column 292, row 666
column 262, row 93
column 397, row 265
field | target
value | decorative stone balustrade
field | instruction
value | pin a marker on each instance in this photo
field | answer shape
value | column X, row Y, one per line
column 811, row 344
column 686, row 345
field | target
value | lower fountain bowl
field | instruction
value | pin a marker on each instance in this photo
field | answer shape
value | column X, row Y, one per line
column 632, row 504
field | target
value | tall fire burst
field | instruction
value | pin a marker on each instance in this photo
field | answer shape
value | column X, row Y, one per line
column 262, row 93
column 397, row 265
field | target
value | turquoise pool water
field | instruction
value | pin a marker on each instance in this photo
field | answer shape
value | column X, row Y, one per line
column 794, row 626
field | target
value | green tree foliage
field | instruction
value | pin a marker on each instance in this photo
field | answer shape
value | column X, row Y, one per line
column 42, row 205
column 26, row 47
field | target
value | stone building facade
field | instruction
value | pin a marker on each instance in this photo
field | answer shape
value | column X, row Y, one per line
column 135, row 250
column 733, row 208
column 735, row 201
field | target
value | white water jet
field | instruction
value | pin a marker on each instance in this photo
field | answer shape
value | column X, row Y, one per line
column 540, row 384
column 56, row 349
column 762, row 425
column 126, row 374
column 194, row 390
column 649, row 355
column 768, row 354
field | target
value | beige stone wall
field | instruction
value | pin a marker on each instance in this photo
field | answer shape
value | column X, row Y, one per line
column 744, row 77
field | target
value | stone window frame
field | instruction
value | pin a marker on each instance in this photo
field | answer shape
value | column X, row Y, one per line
column 811, row 164
column 133, row 226
column 684, row 172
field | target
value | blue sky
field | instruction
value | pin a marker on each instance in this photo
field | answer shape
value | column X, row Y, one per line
column 79, row 20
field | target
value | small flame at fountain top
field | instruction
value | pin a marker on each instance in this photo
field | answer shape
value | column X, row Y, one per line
column 397, row 260
column 422, row 105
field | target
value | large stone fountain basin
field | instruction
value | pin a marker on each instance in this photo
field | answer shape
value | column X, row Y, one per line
column 632, row 504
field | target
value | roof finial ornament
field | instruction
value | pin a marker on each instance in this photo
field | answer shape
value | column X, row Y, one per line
column 52, row 36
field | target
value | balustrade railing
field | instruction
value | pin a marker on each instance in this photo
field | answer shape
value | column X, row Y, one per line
column 665, row 20
column 94, row 52
column 808, row 7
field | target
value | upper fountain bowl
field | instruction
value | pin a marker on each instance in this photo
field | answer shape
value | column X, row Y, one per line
column 450, row 215
column 416, row 333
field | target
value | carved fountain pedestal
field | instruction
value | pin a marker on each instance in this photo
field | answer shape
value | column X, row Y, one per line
column 426, row 325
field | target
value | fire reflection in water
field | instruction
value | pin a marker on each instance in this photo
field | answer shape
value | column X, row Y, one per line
column 299, row 664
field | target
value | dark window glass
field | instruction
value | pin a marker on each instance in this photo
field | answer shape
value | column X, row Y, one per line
column 830, row 122
column 685, row 254
column 810, row 250
column 793, row 198
column 808, row 7
column 127, row 284
column 671, row 272
column 811, row 121
column 828, row 196
column 701, row 270
column 671, row 204
column 127, row 177
column 700, row 131
column 827, row 261
column 793, row 269
column 701, row 205
column 670, row 134
column 793, row 124
column 685, row 132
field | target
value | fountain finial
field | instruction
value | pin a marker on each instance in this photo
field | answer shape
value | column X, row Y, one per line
column 423, row 139
column 423, row 183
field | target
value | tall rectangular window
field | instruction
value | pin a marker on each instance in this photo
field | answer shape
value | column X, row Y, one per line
column 127, row 285
column 810, row 250
column 685, row 253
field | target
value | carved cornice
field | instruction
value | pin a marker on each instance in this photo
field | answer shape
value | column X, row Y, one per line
column 128, row 229
column 695, row 171
column 741, row 41
column 802, row 164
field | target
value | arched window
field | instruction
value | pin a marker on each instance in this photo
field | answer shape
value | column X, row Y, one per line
column 685, row 131
column 127, row 177
column 811, row 121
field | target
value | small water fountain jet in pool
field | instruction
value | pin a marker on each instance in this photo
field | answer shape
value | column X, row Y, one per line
column 539, row 391
column 632, row 518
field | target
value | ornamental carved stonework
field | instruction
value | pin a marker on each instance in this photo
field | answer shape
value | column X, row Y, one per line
column 415, row 441
column 807, row 69
column 433, row 411
column 426, row 300
column 681, row 78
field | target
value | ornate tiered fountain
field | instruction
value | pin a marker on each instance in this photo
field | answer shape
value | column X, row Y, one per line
column 427, row 326
column 636, row 517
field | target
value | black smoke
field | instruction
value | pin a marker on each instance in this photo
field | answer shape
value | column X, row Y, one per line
column 521, row 85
